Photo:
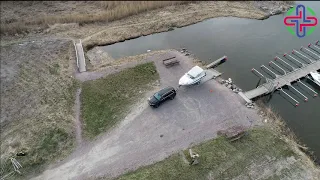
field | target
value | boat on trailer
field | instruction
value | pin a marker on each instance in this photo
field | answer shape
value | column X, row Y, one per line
column 193, row 76
column 316, row 77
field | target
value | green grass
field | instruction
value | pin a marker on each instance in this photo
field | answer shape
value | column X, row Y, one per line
column 219, row 158
column 105, row 101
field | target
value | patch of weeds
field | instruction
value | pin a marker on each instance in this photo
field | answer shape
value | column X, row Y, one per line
column 171, row 29
column 105, row 101
column 49, row 148
column 54, row 69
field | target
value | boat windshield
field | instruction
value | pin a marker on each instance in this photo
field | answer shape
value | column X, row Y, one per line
column 191, row 77
column 157, row 96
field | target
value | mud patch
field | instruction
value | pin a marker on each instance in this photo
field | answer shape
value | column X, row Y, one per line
column 98, row 57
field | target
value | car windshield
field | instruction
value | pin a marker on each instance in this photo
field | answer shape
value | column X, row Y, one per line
column 157, row 96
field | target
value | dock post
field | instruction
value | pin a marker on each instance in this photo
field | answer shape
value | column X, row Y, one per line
column 316, row 47
column 295, row 59
column 305, row 97
column 310, row 51
column 294, row 51
column 297, row 103
column 285, row 72
column 253, row 69
column 293, row 68
column 315, row 93
column 263, row 66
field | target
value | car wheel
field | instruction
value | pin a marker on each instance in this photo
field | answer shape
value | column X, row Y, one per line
column 172, row 97
column 156, row 105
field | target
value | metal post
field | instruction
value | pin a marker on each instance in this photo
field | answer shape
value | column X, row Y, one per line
column 310, row 51
column 316, row 47
column 269, row 70
column 285, row 72
column 258, row 82
column 305, row 97
column 302, row 55
column 296, row 60
column 293, row 68
column 315, row 93
column 253, row 69
column 297, row 103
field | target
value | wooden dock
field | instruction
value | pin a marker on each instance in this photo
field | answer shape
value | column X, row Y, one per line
column 286, row 79
column 217, row 62
column 282, row 80
column 81, row 62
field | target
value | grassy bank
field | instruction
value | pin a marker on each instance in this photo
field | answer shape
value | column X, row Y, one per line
column 113, row 10
column 261, row 154
column 106, row 100
column 37, row 97
column 275, row 122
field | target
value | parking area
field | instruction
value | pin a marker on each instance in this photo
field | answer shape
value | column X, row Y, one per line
column 148, row 135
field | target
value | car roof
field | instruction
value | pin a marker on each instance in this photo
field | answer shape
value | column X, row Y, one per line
column 165, row 90
column 195, row 71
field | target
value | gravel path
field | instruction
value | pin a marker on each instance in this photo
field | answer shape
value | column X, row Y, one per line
column 149, row 135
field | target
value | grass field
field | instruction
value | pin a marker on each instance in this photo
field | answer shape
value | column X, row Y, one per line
column 106, row 11
column 261, row 154
column 106, row 100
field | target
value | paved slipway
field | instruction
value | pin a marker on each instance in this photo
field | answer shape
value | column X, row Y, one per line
column 195, row 115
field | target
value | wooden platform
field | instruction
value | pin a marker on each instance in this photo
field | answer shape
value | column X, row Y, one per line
column 81, row 62
column 217, row 62
column 170, row 61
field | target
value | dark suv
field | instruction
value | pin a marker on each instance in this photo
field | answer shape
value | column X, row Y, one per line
column 161, row 96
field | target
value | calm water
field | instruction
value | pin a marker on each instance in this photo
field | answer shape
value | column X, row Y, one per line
column 247, row 43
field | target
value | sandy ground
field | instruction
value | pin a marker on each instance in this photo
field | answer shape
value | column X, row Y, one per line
column 195, row 115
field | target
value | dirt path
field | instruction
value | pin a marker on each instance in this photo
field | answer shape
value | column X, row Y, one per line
column 77, row 120
column 149, row 135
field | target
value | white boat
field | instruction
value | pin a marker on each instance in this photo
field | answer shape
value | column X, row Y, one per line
column 193, row 76
column 316, row 77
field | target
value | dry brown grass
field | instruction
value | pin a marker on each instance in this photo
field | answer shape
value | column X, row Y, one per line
column 114, row 10
column 37, row 99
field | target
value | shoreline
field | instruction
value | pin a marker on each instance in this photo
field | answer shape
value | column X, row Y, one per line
column 175, row 20
column 282, row 127
column 152, row 22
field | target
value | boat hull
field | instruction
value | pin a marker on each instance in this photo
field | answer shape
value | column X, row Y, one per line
column 316, row 77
